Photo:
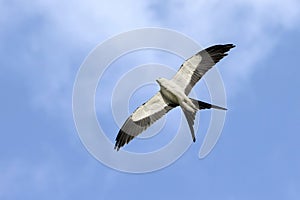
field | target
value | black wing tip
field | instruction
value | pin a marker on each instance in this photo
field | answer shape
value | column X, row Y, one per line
column 122, row 139
column 117, row 148
column 219, row 51
column 229, row 45
column 223, row 47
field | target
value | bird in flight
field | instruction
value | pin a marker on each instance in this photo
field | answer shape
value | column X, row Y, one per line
column 174, row 93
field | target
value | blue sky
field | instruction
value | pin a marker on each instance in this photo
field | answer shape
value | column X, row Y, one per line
column 43, row 44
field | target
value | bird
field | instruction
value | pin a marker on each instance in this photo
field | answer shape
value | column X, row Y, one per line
column 173, row 93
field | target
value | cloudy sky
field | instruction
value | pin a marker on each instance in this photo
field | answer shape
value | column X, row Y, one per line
column 43, row 44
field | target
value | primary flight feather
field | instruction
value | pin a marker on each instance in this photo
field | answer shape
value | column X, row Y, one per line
column 174, row 93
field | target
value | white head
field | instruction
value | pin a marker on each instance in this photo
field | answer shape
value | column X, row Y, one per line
column 161, row 81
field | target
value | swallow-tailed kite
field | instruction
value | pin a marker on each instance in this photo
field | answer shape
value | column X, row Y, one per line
column 174, row 93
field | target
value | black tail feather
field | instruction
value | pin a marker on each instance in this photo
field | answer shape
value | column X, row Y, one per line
column 203, row 105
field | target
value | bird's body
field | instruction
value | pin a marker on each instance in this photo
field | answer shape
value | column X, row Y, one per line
column 174, row 93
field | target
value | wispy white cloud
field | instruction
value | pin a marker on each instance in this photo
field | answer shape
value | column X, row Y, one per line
column 58, row 35
column 94, row 21
column 55, row 36
column 254, row 26
column 70, row 29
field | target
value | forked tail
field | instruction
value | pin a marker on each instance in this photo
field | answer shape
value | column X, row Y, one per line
column 203, row 105
column 190, row 116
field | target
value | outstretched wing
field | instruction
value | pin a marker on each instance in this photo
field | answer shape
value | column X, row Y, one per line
column 195, row 67
column 142, row 118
